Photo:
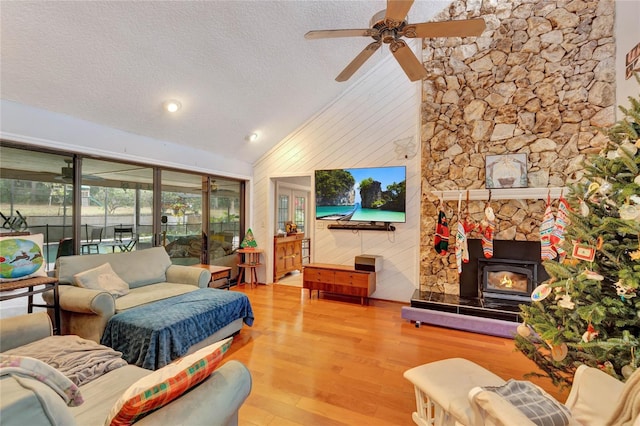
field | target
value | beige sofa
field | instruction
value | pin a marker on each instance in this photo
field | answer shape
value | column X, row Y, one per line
column 24, row 401
column 151, row 277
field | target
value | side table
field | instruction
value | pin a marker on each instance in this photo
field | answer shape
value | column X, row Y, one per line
column 217, row 273
column 249, row 261
column 28, row 286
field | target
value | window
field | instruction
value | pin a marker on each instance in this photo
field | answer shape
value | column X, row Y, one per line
column 153, row 206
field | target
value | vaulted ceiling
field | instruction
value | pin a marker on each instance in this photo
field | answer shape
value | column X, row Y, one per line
column 237, row 67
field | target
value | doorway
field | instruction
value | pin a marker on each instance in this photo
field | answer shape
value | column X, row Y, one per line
column 292, row 198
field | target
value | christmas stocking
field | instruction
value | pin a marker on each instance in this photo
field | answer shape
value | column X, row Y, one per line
column 561, row 223
column 441, row 240
column 489, row 223
column 546, row 227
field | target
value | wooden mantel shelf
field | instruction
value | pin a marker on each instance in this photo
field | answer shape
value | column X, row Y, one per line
column 501, row 194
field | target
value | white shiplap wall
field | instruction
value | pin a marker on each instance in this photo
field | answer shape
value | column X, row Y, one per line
column 357, row 130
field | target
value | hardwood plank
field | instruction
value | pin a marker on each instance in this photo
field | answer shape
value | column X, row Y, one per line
column 332, row 361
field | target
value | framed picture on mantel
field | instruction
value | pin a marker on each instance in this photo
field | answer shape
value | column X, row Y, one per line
column 506, row 171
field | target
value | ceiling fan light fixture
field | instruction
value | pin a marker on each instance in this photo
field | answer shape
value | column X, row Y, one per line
column 172, row 105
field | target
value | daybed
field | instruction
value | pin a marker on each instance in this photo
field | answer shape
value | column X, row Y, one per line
column 150, row 280
column 26, row 400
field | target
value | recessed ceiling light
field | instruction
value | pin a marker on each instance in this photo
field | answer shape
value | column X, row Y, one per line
column 251, row 137
column 172, row 105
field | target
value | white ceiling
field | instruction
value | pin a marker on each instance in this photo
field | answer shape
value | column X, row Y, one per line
column 237, row 67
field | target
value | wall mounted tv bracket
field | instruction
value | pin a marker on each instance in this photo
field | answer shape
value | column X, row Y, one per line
column 362, row 226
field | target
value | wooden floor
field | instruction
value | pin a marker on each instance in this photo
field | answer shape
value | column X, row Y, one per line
column 331, row 361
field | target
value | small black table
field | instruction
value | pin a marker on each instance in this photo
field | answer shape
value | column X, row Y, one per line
column 30, row 287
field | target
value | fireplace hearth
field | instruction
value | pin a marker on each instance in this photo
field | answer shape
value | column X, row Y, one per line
column 485, row 292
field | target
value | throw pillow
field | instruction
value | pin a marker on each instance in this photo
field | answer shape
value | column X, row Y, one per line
column 538, row 406
column 21, row 257
column 166, row 384
column 102, row 277
column 30, row 367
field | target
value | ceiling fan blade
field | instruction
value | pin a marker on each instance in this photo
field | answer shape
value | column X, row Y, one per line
column 397, row 11
column 368, row 32
column 358, row 61
column 408, row 61
column 459, row 28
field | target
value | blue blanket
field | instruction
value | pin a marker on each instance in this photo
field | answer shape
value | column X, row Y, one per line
column 153, row 335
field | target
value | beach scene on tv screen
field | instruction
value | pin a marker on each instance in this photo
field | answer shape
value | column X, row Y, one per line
column 374, row 194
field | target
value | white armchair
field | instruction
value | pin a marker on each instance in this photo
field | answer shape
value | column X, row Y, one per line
column 595, row 398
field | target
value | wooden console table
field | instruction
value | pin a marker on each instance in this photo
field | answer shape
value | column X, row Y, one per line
column 339, row 279
column 28, row 287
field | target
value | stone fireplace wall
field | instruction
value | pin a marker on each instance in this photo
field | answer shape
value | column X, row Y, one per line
column 537, row 81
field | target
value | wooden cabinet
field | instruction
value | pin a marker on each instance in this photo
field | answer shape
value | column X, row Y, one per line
column 287, row 255
column 339, row 279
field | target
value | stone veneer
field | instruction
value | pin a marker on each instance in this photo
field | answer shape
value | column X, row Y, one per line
column 537, row 81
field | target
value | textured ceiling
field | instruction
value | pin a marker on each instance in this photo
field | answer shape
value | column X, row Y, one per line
column 237, row 67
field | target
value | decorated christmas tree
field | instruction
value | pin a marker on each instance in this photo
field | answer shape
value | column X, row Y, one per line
column 588, row 312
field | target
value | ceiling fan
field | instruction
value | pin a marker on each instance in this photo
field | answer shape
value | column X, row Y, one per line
column 388, row 26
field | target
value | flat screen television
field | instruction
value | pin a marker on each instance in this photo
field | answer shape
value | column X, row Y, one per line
column 372, row 194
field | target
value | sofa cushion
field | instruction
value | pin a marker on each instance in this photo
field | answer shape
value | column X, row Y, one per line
column 147, row 294
column 102, row 278
column 102, row 393
column 138, row 268
column 166, row 384
column 21, row 257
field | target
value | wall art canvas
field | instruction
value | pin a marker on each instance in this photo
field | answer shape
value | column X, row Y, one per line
column 506, row 171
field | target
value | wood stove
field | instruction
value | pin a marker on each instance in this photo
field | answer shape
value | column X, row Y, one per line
column 506, row 279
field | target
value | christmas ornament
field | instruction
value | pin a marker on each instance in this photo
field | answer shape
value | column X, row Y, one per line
column 523, row 330
column 584, row 208
column 559, row 352
column 590, row 334
column 540, row 293
column 590, row 275
column 599, row 243
column 635, row 198
column 627, row 371
column 565, row 302
column 607, row 367
column 605, row 188
column 629, row 212
column 625, row 291
column 627, row 147
column 584, row 252
column 248, row 242
column 636, row 180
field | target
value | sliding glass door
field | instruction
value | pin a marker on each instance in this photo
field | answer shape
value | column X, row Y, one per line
column 85, row 205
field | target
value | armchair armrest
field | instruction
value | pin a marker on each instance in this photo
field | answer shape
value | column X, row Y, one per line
column 188, row 275
column 84, row 300
column 23, row 329
column 217, row 400
column 594, row 395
